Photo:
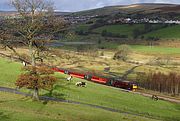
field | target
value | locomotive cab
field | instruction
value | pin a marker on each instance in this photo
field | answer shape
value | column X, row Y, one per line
column 134, row 87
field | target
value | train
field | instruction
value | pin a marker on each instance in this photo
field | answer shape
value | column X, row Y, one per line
column 119, row 83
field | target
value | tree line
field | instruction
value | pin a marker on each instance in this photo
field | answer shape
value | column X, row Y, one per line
column 166, row 83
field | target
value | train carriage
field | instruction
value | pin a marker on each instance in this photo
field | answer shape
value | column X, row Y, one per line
column 119, row 83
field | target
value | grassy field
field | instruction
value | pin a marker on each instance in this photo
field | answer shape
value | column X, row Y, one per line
column 111, row 97
column 125, row 29
column 170, row 32
column 144, row 49
column 8, row 72
column 19, row 108
column 155, row 49
column 92, row 94
column 83, row 27
column 166, row 33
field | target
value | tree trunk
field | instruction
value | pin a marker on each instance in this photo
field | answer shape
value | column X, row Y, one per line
column 32, row 54
column 36, row 94
column 177, row 89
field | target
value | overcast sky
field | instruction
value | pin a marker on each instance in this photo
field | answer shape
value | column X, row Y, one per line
column 78, row 5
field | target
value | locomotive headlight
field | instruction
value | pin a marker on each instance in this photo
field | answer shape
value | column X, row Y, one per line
column 135, row 86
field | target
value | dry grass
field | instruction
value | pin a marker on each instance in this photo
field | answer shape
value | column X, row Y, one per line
column 96, row 63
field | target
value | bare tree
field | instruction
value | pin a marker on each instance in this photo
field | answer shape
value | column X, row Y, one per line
column 161, row 82
column 34, row 26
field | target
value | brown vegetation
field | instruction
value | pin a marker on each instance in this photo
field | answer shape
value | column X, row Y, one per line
column 168, row 83
column 36, row 78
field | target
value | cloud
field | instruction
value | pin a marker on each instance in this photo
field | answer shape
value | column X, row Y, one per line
column 78, row 5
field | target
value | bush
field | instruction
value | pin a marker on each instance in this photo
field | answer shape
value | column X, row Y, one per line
column 102, row 53
column 122, row 53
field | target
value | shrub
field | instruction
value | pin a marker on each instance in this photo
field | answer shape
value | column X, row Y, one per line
column 122, row 53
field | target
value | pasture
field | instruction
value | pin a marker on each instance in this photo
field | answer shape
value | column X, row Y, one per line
column 157, row 30
column 93, row 94
column 8, row 72
column 156, row 50
column 19, row 108
column 145, row 49
column 171, row 32
column 125, row 29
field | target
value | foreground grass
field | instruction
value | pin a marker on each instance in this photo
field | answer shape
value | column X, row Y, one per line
column 98, row 95
column 18, row 108
column 8, row 72
column 112, row 97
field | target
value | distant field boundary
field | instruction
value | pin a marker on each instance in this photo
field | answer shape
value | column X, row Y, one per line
column 46, row 98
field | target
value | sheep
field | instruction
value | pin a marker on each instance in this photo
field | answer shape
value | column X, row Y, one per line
column 81, row 84
column 69, row 78
column 24, row 63
column 155, row 97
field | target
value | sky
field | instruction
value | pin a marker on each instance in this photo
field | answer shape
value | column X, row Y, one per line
column 79, row 5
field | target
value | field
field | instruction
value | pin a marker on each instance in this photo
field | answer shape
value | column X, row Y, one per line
column 155, row 58
column 93, row 94
column 144, row 48
column 83, row 27
column 125, row 29
column 169, row 32
column 166, row 33
column 8, row 72
column 18, row 108
column 156, row 50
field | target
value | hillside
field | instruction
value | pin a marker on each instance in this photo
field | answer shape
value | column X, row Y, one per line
column 166, row 33
column 145, row 9
column 157, row 30
column 130, row 31
column 137, row 21
column 136, row 109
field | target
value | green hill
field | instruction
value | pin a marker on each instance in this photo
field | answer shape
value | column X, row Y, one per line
column 145, row 8
column 124, row 29
column 157, row 30
column 172, row 32
column 108, row 18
